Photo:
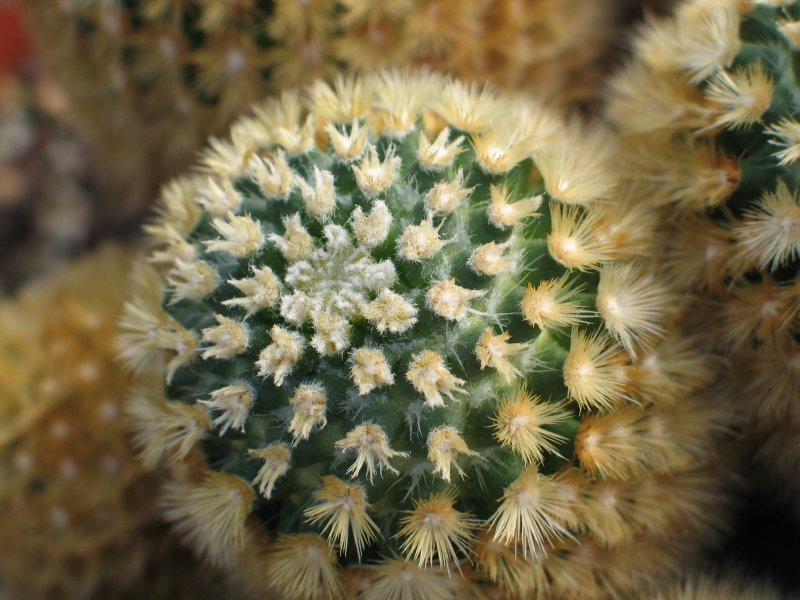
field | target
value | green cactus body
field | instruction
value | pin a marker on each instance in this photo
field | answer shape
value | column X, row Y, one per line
column 709, row 108
column 409, row 314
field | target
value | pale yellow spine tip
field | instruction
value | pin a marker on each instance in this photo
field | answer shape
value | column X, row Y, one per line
column 504, row 214
column 449, row 300
column 191, row 280
column 372, row 228
column 444, row 446
column 373, row 453
column 309, row 404
column 439, row 154
column 420, row 242
column 431, row 378
column 375, row 176
column 274, row 176
column 241, row 235
column 342, row 508
column 277, row 462
column 278, row 358
column 319, row 199
column 227, row 339
column 522, row 422
column 435, row 532
column 494, row 351
column 234, row 402
column 390, row 312
column 370, row 370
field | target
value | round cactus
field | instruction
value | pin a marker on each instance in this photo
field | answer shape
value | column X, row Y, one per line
column 78, row 516
column 409, row 328
column 151, row 80
column 708, row 107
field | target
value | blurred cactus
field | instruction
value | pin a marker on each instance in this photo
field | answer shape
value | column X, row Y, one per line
column 153, row 79
column 409, row 329
column 46, row 192
column 78, row 514
column 726, row 586
column 708, row 107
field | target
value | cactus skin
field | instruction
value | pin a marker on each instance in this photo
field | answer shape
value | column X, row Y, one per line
column 368, row 333
column 163, row 76
column 713, row 124
column 78, row 516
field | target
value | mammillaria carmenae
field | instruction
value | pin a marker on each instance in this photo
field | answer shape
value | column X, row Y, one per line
column 708, row 109
column 410, row 327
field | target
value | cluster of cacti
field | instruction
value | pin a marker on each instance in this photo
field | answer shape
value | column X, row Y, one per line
column 45, row 192
column 79, row 515
column 153, row 79
column 417, row 337
column 709, row 110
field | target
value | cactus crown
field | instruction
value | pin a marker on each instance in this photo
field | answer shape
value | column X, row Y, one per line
column 391, row 307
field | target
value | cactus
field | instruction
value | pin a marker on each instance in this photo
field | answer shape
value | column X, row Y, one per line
column 724, row 586
column 406, row 323
column 46, row 193
column 152, row 79
column 78, row 516
column 708, row 108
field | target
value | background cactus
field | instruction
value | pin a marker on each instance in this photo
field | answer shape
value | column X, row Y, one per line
column 151, row 80
column 725, row 586
column 408, row 327
column 46, row 191
column 78, row 514
column 708, row 107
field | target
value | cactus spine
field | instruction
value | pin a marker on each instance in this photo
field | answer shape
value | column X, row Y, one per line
column 406, row 323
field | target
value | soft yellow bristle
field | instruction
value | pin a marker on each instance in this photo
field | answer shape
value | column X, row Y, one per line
column 435, row 532
column 396, row 579
column 494, row 350
column 276, row 459
column 165, row 430
column 741, row 96
column 372, row 450
column 342, row 508
column 521, row 422
column 444, row 445
column 531, row 514
column 633, row 304
column 303, row 567
column 552, row 304
column 573, row 239
column 210, row 513
column 593, row 371
column 769, row 234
